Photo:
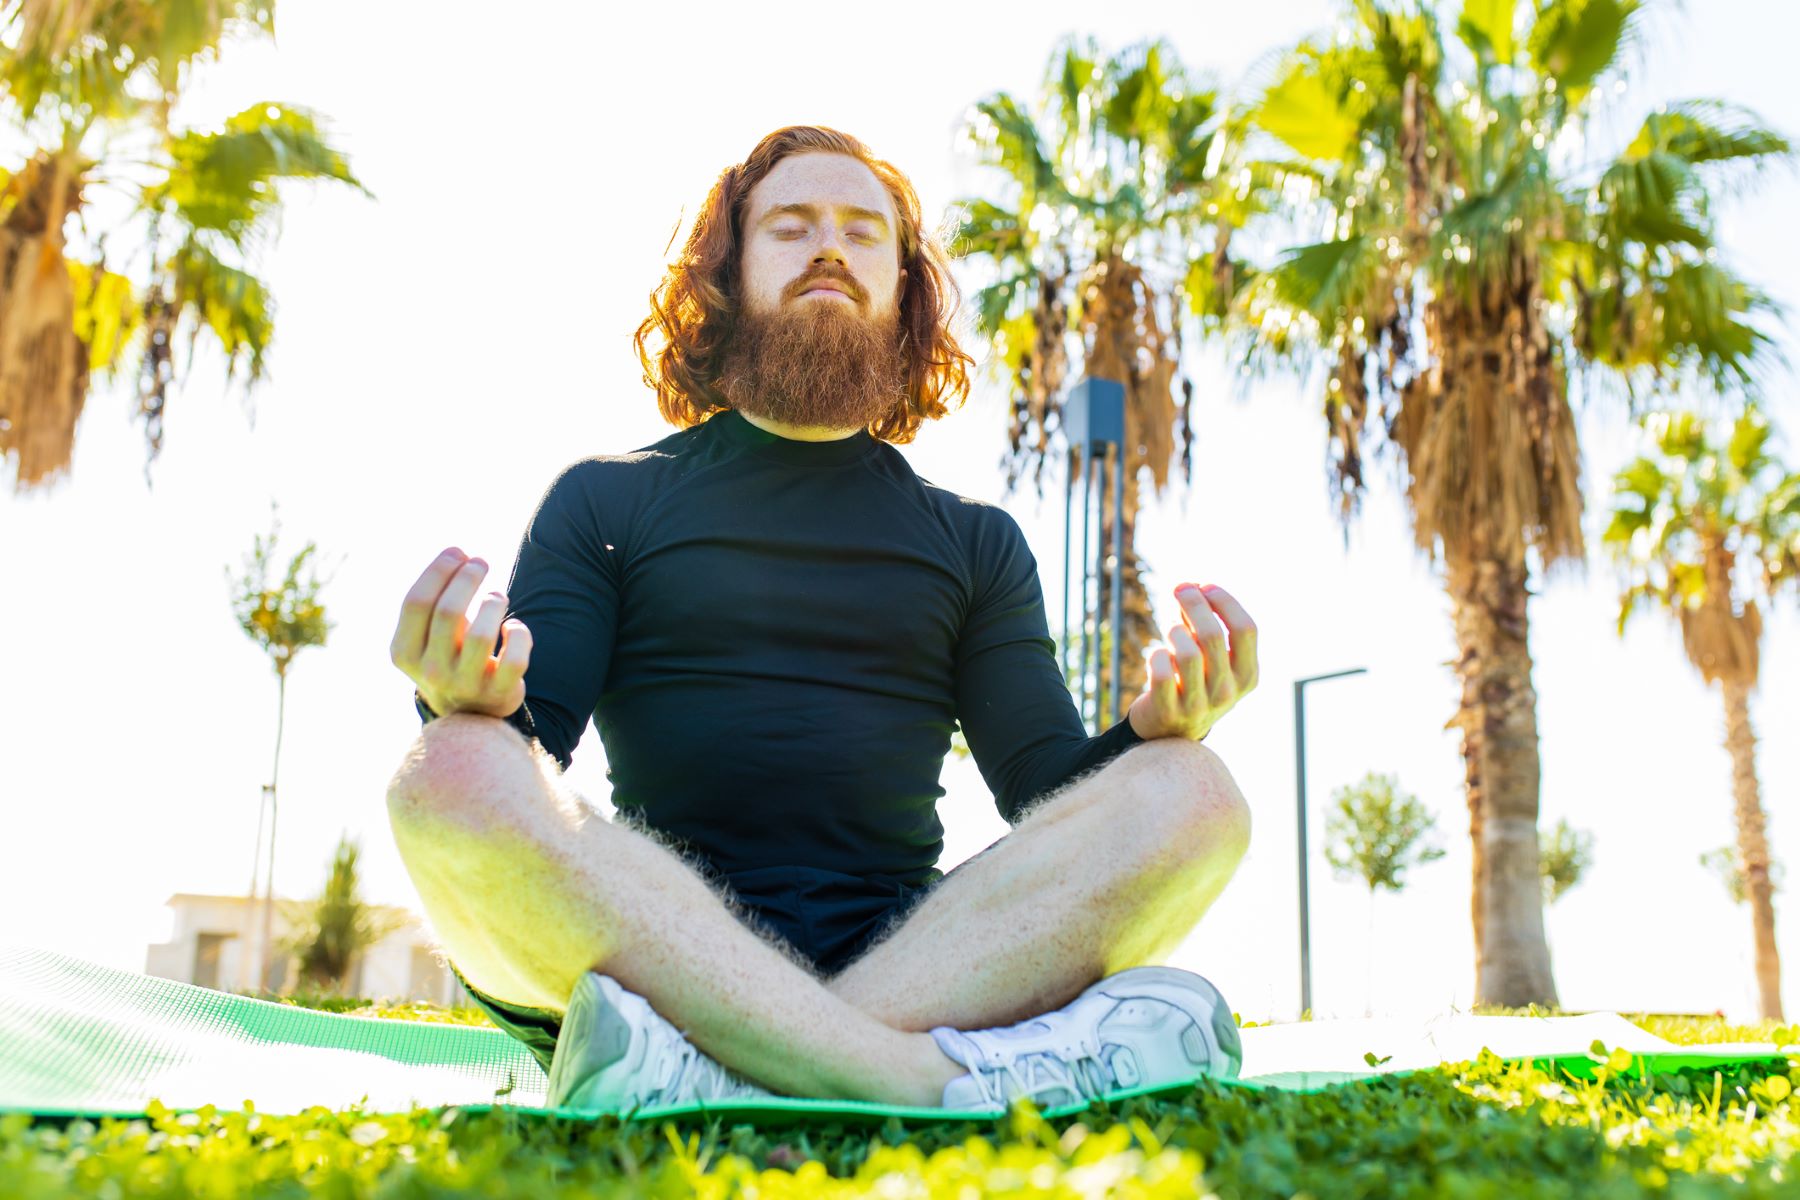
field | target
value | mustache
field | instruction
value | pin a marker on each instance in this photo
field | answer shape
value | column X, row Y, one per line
column 836, row 274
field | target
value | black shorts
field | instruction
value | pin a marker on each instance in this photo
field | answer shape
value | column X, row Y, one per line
column 827, row 917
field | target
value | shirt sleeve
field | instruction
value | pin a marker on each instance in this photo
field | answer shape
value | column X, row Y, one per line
column 565, row 589
column 1015, row 709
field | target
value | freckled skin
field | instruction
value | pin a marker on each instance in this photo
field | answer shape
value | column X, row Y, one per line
column 780, row 247
column 528, row 887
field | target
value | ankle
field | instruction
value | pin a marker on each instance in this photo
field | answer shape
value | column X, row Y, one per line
column 933, row 1071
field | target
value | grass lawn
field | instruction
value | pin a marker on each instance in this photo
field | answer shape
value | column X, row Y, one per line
column 1479, row 1129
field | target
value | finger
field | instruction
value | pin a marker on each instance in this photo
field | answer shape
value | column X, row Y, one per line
column 478, row 644
column 1165, row 683
column 1243, row 635
column 1209, row 631
column 448, row 619
column 1190, row 664
column 515, row 656
column 408, row 646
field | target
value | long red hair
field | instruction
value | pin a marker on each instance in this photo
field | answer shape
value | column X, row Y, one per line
column 692, row 310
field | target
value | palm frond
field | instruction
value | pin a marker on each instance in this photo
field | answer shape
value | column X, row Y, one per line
column 1708, row 131
column 1487, row 27
column 998, row 302
column 225, row 182
column 1005, row 136
column 1747, row 448
column 1574, row 41
column 985, row 228
column 1327, row 278
column 232, row 303
column 107, row 313
column 1653, row 199
column 1307, row 115
column 100, row 60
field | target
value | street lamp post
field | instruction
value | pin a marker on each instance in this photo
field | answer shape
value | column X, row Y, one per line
column 1300, row 792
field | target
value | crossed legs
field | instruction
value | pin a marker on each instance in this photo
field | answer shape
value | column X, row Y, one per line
column 528, row 888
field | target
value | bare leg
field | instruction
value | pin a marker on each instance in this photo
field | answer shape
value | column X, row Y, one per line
column 528, row 889
column 1111, row 872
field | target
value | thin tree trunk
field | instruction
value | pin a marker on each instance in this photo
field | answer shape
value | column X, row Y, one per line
column 269, row 878
column 252, row 960
column 1498, row 719
column 1753, row 845
column 1369, row 963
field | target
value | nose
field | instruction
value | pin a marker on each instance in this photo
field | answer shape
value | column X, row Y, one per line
column 830, row 247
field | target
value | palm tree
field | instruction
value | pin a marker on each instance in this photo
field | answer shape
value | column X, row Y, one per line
column 1703, row 528
column 1471, row 262
column 1108, row 184
column 90, row 86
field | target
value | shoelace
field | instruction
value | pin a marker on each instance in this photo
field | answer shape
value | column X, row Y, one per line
column 702, row 1075
column 1077, row 1068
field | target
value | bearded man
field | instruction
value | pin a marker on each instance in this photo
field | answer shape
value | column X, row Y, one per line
column 776, row 625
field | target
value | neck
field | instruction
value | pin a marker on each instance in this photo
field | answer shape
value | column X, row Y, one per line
column 798, row 433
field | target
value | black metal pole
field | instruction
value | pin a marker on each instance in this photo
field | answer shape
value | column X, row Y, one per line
column 1300, row 825
column 1062, row 658
column 1118, row 574
column 1097, row 567
column 1087, row 507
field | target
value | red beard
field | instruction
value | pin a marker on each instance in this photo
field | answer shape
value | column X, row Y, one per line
column 816, row 363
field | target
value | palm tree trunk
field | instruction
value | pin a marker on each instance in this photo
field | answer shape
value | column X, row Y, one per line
column 1498, row 719
column 1753, row 845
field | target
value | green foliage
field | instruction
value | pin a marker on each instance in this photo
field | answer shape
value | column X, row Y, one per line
column 1564, row 855
column 1474, row 1129
column 331, row 931
column 1704, row 484
column 1108, row 179
column 1724, row 863
column 90, row 89
column 362, row 1006
column 1373, row 832
column 1428, row 181
column 286, row 617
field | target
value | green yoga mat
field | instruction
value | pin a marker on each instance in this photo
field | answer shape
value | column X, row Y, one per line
column 80, row 1039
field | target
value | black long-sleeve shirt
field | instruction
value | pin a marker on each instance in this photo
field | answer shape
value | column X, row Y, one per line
column 776, row 638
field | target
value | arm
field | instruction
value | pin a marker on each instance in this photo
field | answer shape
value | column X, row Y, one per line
column 1011, row 699
column 565, row 589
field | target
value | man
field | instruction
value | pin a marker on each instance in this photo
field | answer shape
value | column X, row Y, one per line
column 775, row 625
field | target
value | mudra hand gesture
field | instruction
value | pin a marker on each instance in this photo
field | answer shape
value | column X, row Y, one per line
column 1198, row 676
column 450, row 658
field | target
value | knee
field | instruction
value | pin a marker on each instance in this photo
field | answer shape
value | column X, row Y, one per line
column 1200, row 810
column 457, row 770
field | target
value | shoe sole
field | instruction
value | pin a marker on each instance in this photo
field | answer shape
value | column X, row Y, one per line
column 595, row 1035
column 1192, row 994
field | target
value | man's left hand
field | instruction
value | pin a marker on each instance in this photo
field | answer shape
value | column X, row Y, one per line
column 1196, row 678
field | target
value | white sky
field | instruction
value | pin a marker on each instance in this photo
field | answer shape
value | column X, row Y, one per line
column 444, row 350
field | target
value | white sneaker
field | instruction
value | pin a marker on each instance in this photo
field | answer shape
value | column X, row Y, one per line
column 616, row 1054
column 1143, row 1027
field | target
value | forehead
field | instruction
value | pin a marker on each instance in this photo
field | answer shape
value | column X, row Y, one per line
column 818, row 178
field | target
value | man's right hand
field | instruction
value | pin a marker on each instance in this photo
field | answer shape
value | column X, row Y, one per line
column 450, row 658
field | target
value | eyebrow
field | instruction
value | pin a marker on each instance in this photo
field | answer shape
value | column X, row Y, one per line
column 811, row 212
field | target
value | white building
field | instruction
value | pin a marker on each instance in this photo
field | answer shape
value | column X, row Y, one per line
column 214, row 943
